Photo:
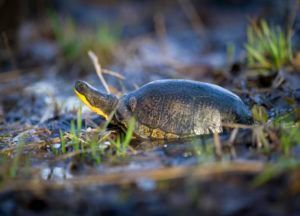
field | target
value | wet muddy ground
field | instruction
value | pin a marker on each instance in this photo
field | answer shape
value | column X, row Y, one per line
column 58, row 158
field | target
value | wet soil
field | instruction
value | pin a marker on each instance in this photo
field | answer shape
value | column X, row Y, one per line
column 157, row 40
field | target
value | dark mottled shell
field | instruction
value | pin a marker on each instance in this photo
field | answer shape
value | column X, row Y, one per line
column 184, row 108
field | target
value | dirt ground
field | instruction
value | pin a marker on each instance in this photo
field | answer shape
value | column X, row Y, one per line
column 59, row 158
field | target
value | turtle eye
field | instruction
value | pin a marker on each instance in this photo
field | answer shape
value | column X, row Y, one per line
column 80, row 86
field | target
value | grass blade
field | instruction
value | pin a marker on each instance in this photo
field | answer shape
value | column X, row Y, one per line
column 62, row 141
column 74, row 138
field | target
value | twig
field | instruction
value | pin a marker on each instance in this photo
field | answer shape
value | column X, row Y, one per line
column 290, row 15
column 123, row 178
column 235, row 125
column 132, row 149
column 160, row 27
column 32, row 145
column 231, row 141
column 11, row 75
column 97, row 66
column 278, row 81
column 218, row 146
column 113, row 73
column 71, row 154
column 190, row 11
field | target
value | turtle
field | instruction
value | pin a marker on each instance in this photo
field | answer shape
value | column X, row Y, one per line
column 169, row 108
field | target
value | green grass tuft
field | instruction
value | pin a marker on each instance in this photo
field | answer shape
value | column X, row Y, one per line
column 121, row 143
column 63, row 142
column 15, row 163
column 268, row 48
column 79, row 118
column 129, row 133
column 96, row 151
column 287, row 130
column 74, row 137
column 289, row 138
column 259, row 114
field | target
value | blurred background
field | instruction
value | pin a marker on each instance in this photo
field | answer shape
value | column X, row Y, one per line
column 183, row 31
column 250, row 47
column 141, row 40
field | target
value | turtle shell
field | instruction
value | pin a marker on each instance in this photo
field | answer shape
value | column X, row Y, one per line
column 182, row 108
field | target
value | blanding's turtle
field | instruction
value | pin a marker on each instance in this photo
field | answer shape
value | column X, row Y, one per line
column 167, row 109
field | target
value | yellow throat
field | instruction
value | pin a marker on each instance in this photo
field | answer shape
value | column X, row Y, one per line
column 87, row 103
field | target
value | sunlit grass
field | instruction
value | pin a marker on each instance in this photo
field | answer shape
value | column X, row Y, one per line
column 259, row 114
column 75, row 130
column 16, row 160
column 287, row 130
column 121, row 143
column 289, row 138
column 95, row 143
column 74, row 136
column 129, row 133
column 79, row 119
column 96, row 151
column 268, row 48
column 63, row 142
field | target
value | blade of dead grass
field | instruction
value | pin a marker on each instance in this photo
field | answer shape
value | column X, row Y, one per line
column 231, row 142
column 113, row 73
column 97, row 66
column 192, row 14
column 123, row 178
column 16, row 160
column 218, row 145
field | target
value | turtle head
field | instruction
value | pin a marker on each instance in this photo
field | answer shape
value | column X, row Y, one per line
column 99, row 102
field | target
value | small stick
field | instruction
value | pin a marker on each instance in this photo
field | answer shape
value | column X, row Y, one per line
column 124, row 178
column 9, row 50
column 190, row 11
column 236, row 125
column 160, row 27
column 218, row 146
column 231, row 141
column 32, row 145
column 113, row 73
column 97, row 66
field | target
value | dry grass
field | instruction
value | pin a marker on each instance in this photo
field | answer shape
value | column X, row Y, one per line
column 97, row 66
column 161, row 174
